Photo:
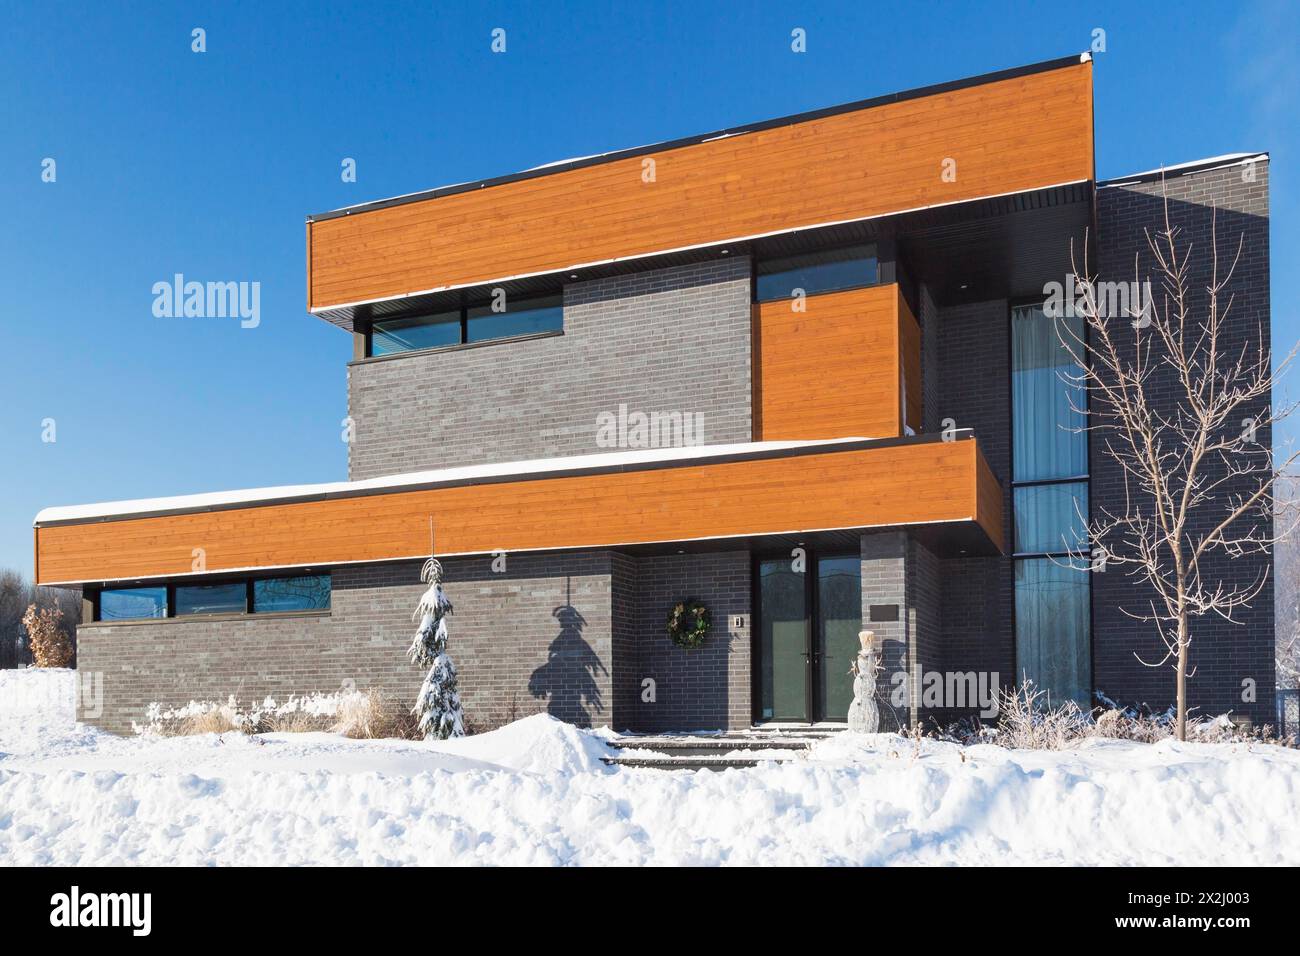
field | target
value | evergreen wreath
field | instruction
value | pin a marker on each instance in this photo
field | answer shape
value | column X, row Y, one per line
column 688, row 623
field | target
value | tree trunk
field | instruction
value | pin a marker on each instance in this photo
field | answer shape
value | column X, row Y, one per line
column 1182, row 676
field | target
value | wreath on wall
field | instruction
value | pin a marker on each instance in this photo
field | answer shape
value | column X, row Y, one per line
column 688, row 623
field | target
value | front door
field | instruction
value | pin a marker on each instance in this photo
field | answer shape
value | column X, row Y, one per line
column 808, row 627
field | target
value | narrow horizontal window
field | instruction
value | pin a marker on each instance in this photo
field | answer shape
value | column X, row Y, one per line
column 1047, row 517
column 520, row 317
column 413, row 332
column 227, row 598
column 307, row 593
column 128, row 604
column 813, row 272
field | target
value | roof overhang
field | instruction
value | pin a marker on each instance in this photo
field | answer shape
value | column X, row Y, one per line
column 1017, row 132
column 704, row 497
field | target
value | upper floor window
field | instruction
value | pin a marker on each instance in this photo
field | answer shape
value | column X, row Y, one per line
column 415, row 332
column 520, row 317
column 823, row 271
column 1047, row 419
column 473, row 323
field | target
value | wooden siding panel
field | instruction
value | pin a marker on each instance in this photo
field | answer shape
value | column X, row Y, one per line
column 893, row 485
column 830, row 371
column 853, row 165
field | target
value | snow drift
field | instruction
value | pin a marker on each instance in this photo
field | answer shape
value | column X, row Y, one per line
column 536, row 792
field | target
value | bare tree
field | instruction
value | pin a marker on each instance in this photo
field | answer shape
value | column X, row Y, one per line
column 16, row 595
column 1286, row 591
column 1198, row 479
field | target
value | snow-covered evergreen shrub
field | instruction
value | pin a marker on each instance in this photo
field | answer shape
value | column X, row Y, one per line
column 437, row 708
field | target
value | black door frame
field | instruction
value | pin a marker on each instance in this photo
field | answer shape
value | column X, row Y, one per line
column 813, row 697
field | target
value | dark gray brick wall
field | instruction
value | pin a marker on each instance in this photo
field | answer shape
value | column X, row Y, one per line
column 569, row 634
column 535, row 638
column 665, row 340
column 1223, row 654
column 975, row 391
column 707, row 687
column 884, row 582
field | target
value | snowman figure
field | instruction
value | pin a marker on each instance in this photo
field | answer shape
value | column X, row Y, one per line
column 864, row 716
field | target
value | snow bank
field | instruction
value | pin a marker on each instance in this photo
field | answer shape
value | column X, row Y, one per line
column 535, row 792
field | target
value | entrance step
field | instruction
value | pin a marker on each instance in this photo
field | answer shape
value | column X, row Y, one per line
column 714, row 751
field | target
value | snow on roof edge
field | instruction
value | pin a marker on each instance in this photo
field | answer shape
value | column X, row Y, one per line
column 464, row 473
column 1204, row 165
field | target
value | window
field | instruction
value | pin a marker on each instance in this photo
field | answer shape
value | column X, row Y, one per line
column 226, row 598
column 1049, row 518
column 1053, row 633
column 415, row 332
column 1049, row 484
column 813, row 272
column 1044, row 422
column 302, row 592
column 476, row 323
column 307, row 593
column 522, row 317
column 126, row 604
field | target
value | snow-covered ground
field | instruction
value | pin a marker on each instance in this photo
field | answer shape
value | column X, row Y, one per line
column 535, row 792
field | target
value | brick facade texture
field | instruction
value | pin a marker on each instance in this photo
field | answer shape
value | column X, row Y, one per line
column 673, row 340
column 1226, row 658
column 570, row 634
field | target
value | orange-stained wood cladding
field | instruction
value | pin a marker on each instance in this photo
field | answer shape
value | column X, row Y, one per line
column 921, row 482
column 1005, row 136
column 836, row 365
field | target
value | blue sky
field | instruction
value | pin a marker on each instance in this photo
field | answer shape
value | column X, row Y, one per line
column 207, row 164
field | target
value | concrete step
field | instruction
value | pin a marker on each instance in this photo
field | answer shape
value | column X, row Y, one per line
column 715, row 751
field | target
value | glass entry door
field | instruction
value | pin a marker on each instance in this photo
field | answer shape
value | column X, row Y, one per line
column 808, row 636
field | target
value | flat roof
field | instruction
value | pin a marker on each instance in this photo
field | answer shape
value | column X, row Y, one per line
column 559, row 166
column 632, row 460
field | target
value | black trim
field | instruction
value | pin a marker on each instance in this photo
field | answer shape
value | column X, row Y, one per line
column 921, row 91
column 962, row 434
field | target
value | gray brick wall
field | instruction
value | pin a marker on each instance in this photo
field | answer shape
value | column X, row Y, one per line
column 884, row 582
column 664, row 340
column 570, row 634
column 707, row 687
column 535, row 638
column 975, row 391
column 1223, row 655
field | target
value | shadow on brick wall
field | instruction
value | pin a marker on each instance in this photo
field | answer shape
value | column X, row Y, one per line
column 569, row 680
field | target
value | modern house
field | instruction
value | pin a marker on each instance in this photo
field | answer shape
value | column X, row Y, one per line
column 797, row 371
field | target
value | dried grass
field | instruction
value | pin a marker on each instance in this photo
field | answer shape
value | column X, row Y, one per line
column 373, row 716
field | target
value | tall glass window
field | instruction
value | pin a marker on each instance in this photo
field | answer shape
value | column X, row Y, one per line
column 1049, row 507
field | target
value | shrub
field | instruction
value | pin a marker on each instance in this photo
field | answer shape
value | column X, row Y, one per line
column 371, row 715
column 49, row 642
